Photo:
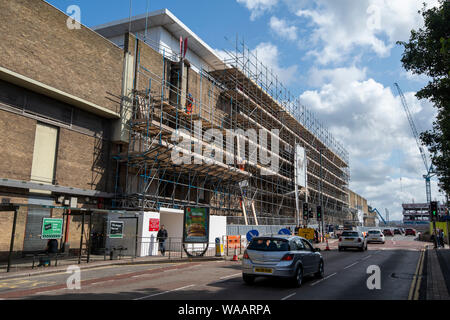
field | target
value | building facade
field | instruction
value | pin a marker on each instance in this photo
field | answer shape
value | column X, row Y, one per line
column 92, row 120
column 359, row 211
column 230, row 93
column 419, row 213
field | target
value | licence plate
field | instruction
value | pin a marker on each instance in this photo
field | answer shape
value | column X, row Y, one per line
column 263, row 270
column 349, row 239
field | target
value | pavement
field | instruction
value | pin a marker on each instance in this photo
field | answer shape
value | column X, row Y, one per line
column 438, row 274
column 24, row 270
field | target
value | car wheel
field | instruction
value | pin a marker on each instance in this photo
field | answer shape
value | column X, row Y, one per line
column 321, row 271
column 248, row 279
column 361, row 249
column 298, row 278
column 340, row 249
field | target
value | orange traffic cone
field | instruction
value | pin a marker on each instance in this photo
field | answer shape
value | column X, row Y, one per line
column 235, row 257
column 327, row 248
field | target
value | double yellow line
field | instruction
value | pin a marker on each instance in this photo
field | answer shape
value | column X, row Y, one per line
column 417, row 279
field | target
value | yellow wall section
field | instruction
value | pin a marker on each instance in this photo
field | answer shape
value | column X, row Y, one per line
column 43, row 166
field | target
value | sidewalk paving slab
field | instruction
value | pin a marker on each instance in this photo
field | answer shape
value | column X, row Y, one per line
column 101, row 263
column 436, row 284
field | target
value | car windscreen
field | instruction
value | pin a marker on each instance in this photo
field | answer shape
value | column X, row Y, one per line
column 349, row 234
column 269, row 244
column 374, row 232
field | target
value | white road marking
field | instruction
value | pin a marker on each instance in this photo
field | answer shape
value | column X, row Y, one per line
column 287, row 297
column 230, row 276
column 313, row 284
column 41, row 292
column 157, row 294
column 351, row 265
column 99, row 282
column 366, row 257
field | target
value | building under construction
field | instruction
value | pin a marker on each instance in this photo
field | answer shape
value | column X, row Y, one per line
column 419, row 213
column 178, row 88
column 91, row 122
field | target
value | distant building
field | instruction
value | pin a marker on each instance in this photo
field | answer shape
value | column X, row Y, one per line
column 418, row 213
column 359, row 211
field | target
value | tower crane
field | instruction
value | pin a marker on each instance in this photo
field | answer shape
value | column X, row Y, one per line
column 429, row 169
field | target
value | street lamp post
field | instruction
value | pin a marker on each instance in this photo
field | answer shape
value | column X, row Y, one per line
column 321, row 195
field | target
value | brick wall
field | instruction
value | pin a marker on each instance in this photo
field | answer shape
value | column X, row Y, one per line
column 153, row 62
column 6, row 223
column 206, row 97
column 81, row 161
column 17, row 144
column 37, row 43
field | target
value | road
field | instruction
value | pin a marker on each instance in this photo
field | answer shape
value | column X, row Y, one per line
column 345, row 278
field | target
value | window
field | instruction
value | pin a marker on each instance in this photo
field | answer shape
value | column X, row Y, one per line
column 350, row 234
column 308, row 246
column 298, row 244
column 269, row 244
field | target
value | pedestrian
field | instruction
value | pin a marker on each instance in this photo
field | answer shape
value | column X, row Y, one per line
column 51, row 249
column 441, row 238
column 162, row 236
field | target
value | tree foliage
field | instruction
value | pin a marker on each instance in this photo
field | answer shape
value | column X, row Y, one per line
column 428, row 53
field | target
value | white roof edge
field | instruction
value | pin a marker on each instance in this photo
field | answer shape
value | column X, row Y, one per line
column 127, row 20
column 192, row 36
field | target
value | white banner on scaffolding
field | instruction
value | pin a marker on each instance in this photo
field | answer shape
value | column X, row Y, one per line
column 300, row 166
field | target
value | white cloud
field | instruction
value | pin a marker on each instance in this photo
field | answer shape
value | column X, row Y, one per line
column 369, row 119
column 340, row 27
column 420, row 78
column 269, row 55
column 257, row 7
column 282, row 29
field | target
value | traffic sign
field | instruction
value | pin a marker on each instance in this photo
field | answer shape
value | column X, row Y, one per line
column 307, row 233
column 284, row 231
column 251, row 234
column 51, row 228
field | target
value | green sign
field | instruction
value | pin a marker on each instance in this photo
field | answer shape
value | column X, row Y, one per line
column 116, row 229
column 51, row 228
column 196, row 225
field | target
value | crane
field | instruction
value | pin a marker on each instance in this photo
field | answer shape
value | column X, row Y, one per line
column 429, row 169
column 375, row 210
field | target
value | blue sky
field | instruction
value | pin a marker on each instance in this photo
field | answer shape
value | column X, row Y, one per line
column 339, row 57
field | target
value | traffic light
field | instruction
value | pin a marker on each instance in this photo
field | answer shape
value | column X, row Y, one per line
column 311, row 213
column 305, row 211
column 319, row 212
column 434, row 209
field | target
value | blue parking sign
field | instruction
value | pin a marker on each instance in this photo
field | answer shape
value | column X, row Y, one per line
column 251, row 234
column 284, row 231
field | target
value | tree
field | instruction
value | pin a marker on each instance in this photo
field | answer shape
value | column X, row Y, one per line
column 428, row 52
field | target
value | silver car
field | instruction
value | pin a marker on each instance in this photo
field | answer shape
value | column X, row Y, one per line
column 290, row 257
column 352, row 239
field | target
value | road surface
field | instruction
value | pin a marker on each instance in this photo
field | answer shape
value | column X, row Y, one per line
column 345, row 278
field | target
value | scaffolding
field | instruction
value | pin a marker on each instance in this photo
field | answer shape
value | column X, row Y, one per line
column 174, row 98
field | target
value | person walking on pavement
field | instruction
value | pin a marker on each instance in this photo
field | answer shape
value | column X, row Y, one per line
column 162, row 236
column 441, row 238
